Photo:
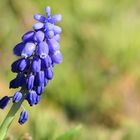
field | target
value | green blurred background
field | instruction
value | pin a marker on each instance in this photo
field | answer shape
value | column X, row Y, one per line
column 97, row 86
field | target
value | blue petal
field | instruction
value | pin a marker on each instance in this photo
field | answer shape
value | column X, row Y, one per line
column 37, row 99
column 46, row 62
column 39, row 36
column 15, row 66
column 48, row 11
column 57, row 57
column 40, row 18
column 49, row 73
column 17, row 97
column 53, row 45
column 4, row 102
column 48, row 26
column 28, row 36
column 18, row 49
column 57, row 37
column 24, row 64
column 40, row 89
column 28, row 50
column 30, row 81
column 31, row 97
column 18, row 81
column 36, row 65
column 38, row 26
column 57, row 29
column 39, row 79
column 46, row 82
column 20, row 65
column 55, row 18
column 49, row 34
column 23, row 117
column 42, row 49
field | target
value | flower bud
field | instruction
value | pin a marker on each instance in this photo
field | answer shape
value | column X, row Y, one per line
column 57, row 29
column 46, row 82
column 48, row 11
column 40, row 89
column 39, row 36
column 31, row 97
column 55, row 18
column 23, row 117
column 36, row 65
column 53, row 45
column 30, row 82
column 18, row 81
column 28, row 36
column 49, row 34
column 39, row 79
column 37, row 100
column 42, row 49
column 38, row 26
column 4, row 102
column 17, row 97
column 46, row 62
column 18, row 49
column 24, row 63
column 57, row 37
column 28, row 50
column 57, row 57
column 48, row 26
column 49, row 73
column 40, row 18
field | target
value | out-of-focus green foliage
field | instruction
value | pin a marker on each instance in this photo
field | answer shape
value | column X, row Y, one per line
column 97, row 85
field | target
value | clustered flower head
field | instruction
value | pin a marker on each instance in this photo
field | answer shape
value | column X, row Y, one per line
column 39, row 51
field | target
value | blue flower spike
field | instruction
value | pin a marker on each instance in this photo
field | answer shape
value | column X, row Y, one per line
column 38, row 51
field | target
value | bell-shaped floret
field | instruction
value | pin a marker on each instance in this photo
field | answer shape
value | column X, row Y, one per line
column 28, row 50
column 20, row 65
column 57, row 30
column 48, row 26
column 57, row 37
column 23, row 117
column 28, row 36
column 17, row 97
column 42, row 49
column 55, row 18
column 49, row 34
column 57, row 57
column 18, row 49
column 32, row 97
column 4, row 102
column 36, row 64
column 39, row 78
column 40, row 18
column 53, row 45
column 46, row 62
column 49, row 73
column 30, row 82
column 40, row 89
column 38, row 26
column 48, row 11
column 39, row 36
column 18, row 81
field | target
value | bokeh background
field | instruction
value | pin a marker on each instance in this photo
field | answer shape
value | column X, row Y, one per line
column 97, row 87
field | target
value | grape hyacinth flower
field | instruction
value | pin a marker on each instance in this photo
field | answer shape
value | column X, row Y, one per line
column 39, row 51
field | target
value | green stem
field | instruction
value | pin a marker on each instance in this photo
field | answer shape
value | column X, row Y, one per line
column 10, row 117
